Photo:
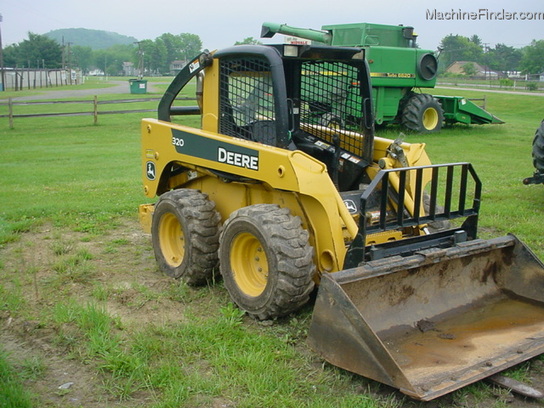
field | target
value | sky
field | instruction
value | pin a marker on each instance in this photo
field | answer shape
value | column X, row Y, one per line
column 220, row 23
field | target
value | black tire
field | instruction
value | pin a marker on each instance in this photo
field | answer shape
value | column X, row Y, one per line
column 538, row 149
column 422, row 113
column 266, row 261
column 185, row 235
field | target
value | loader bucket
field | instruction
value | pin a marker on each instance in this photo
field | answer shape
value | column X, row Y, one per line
column 436, row 320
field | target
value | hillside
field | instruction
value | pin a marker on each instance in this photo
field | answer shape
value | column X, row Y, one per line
column 96, row 39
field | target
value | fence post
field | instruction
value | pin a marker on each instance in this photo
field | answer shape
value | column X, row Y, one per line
column 10, row 107
column 95, row 109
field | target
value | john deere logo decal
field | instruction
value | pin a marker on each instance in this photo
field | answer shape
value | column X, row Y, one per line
column 150, row 170
column 351, row 206
column 237, row 159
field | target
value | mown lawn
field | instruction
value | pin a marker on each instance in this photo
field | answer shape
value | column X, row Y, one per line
column 72, row 176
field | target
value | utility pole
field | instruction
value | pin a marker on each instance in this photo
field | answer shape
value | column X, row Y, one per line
column 486, row 49
column 69, row 58
column 2, row 75
column 140, row 60
column 63, row 54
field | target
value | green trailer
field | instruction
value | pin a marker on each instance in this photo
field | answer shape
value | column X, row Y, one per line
column 399, row 70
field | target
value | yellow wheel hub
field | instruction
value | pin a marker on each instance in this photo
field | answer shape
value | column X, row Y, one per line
column 172, row 240
column 249, row 264
column 430, row 118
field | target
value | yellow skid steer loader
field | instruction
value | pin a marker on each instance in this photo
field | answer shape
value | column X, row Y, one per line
column 282, row 186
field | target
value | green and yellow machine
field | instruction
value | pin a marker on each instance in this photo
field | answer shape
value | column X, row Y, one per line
column 397, row 69
column 278, row 204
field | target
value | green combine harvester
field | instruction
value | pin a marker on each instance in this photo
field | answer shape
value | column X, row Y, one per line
column 397, row 69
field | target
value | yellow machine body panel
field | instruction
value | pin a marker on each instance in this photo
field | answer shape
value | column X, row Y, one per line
column 290, row 179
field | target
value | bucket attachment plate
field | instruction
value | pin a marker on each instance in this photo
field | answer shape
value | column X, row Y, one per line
column 436, row 320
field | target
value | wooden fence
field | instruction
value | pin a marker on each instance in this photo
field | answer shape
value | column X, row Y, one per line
column 94, row 111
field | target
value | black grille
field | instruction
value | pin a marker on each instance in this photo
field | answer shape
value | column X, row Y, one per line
column 331, row 101
column 404, row 200
column 246, row 99
column 453, row 191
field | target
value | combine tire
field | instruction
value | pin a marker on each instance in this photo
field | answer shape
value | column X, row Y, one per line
column 266, row 261
column 422, row 114
column 185, row 235
column 538, row 149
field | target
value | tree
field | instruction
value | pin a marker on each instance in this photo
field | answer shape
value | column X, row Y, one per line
column 82, row 57
column 503, row 58
column 459, row 48
column 532, row 61
column 11, row 53
column 159, row 53
column 248, row 40
column 191, row 45
column 173, row 46
column 111, row 60
column 469, row 69
column 156, row 56
column 38, row 51
column 475, row 39
column 145, row 51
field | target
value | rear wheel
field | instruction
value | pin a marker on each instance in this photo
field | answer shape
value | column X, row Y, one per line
column 538, row 148
column 185, row 235
column 423, row 114
column 266, row 261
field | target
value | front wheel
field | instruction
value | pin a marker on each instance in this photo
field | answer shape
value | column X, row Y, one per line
column 423, row 114
column 538, row 149
column 266, row 261
column 185, row 235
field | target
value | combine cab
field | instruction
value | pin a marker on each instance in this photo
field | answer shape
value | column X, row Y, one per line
column 397, row 69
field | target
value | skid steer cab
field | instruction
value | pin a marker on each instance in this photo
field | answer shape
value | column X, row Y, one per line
column 276, row 181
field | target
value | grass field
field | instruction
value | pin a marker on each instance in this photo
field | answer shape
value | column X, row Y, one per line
column 76, row 273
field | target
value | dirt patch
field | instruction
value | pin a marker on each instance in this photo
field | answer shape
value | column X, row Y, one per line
column 65, row 382
column 50, row 265
column 54, row 265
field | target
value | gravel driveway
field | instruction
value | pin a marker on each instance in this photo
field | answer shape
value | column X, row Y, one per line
column 121, row 87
